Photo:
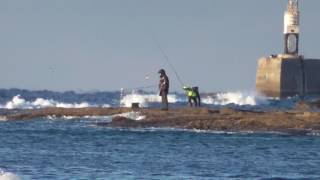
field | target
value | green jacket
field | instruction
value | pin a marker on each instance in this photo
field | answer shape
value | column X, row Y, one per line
column 190, row 92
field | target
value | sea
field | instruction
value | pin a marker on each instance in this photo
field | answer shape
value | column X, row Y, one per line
column 77, row 148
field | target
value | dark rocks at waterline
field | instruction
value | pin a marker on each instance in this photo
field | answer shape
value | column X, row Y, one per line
column 62, row 112
column 298, row 121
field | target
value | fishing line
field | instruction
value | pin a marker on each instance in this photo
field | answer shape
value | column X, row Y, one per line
column 140, row 88
column 167, row 59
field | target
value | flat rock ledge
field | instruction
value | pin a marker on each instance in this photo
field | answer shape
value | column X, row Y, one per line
column 293, row 122
column 61, row 112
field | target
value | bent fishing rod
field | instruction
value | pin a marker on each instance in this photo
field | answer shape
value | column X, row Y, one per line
column 167, row 60
column 139, row 88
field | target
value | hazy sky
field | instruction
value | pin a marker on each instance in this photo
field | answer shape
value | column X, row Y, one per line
column 108, row 44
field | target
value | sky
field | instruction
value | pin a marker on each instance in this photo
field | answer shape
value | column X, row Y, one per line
column 105, row 45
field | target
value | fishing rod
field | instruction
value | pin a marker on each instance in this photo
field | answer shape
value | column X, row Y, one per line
column 139, row 88
column 167, row 59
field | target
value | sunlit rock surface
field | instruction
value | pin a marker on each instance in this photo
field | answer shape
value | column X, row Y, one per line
column 303, row 119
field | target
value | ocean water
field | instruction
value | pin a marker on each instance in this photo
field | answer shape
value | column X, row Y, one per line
column 76, row 148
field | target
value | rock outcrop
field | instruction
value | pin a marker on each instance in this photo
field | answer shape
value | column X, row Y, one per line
column 300, row 120
column 226, row 120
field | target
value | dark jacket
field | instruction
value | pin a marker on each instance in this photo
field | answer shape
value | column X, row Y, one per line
column 164, row 84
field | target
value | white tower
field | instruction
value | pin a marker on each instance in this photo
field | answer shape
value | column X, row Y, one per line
column 289, row 74
column 291, row 28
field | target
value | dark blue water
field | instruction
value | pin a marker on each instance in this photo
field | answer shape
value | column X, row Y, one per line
column 77, row 149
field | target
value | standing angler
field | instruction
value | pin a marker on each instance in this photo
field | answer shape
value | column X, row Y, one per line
column 164, row 89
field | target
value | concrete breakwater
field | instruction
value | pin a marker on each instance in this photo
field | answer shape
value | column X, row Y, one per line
column 298, row 121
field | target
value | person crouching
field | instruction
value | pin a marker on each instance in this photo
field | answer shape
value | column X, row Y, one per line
column 192, row 96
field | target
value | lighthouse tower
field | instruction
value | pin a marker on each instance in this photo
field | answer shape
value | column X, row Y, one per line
column 291, row 28
column 289, row 74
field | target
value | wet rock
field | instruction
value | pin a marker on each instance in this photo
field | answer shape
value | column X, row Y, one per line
column 192, row 118
column 303, row 106
column 60, row 112
column 119, row 121
column 315, row 103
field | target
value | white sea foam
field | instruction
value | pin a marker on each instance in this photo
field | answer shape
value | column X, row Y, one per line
column 144, row 100
column 237, row 98
column 167, row 129
column 3, row 118
column 132, row 115
column 8, row 176
column 18, row 102
column 104, row 118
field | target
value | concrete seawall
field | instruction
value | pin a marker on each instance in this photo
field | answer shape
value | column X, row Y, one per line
column 284, row 76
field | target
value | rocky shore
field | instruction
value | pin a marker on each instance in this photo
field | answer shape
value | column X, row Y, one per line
column 299, row 121
column 61, row 112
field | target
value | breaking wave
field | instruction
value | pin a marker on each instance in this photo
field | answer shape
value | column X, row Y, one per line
column 24, row 99
column 8, row 176
column 237, row 98
column 18, row 102
column 145, row 99
column 220, row 99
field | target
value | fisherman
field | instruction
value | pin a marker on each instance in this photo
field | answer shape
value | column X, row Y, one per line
column 192, row 96
column 164, row 89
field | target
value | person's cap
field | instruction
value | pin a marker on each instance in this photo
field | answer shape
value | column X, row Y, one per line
column 161, row 71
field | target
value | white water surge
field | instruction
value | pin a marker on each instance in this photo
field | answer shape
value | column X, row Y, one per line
column 19, row 103
column 8, row 176
column 237, row 98
column 144, row 100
